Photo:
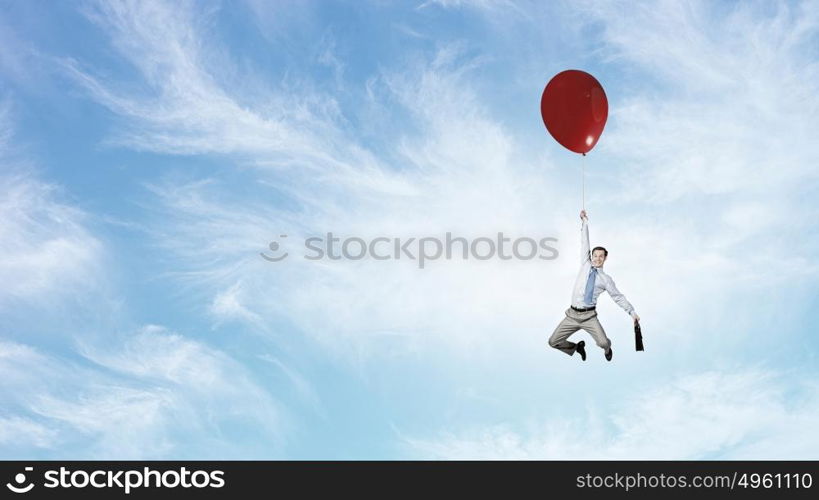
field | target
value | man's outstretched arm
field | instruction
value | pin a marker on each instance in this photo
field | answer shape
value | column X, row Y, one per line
column 585, row 253
column 620, row 299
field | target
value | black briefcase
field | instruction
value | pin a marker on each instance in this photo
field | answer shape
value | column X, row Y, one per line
column 638, row 337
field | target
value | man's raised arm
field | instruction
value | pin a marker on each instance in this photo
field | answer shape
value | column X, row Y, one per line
column 585, row 253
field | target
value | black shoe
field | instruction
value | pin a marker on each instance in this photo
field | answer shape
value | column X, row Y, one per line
column 608, row 354
column 581, row 348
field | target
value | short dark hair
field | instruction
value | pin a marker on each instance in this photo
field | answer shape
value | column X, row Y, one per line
column 605, row 252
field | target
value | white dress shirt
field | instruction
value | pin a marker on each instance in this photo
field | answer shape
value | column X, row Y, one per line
column 601, row 283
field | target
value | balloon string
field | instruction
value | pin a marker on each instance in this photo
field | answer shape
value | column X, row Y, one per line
column 583, row 180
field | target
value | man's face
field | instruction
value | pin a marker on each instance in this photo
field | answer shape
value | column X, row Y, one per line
column 598, row 257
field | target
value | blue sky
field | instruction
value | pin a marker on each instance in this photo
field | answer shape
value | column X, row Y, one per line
column 150, row 151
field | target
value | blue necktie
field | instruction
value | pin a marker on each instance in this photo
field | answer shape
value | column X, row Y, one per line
column 590, row 287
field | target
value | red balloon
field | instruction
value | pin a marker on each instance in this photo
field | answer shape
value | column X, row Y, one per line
column 574, row 109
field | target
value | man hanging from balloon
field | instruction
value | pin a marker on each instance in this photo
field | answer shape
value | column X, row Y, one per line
column 574, row 110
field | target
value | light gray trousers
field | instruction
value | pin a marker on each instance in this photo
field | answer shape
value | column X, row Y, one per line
column 575, row 320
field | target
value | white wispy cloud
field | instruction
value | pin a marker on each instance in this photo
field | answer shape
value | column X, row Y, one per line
column 45, row 247
column 228, row 305
column 739, row 102
column 744, row 415
column 20, row 432
column 86, row 391
column 154, row 394
column 111, row 421
column 488, row 6
column 184, row 106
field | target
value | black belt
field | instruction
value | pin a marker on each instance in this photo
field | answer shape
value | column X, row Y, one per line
column 583, row 309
